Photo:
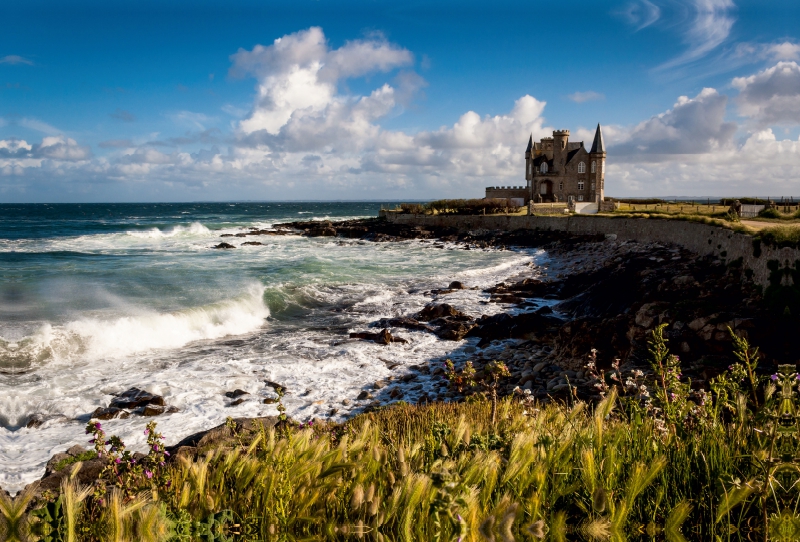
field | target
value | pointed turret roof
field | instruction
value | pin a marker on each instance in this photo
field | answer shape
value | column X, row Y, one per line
column 597, row 144
column 530, row 144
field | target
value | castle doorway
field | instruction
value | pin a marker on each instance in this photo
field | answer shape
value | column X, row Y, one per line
column 545, row 188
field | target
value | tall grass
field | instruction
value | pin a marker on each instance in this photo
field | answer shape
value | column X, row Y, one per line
column 678, row 464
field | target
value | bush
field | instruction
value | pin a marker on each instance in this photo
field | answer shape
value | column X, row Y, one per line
column 781, row 236
column 770, row 213
column 471, row 206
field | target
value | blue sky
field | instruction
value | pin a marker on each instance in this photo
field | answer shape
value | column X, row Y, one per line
column 172, row 101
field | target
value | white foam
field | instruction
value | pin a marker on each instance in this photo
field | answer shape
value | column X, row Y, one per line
column 90, row 339
column 195, row 228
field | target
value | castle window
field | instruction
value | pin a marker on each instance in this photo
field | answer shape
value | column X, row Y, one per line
column 580, row 185
column 582, row 167
column 593, row 187
column 530, row 168
column 561, row 186
column 543, row 168
column 580, row 197
column 594, row 167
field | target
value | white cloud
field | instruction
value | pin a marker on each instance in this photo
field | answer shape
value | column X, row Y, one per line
column 15, row 59
column 693, row 126
column 588, row 96
column 641, row 14
column 771, row 96
column 785, row 51
column 711, row 25
column 298, row 75
column 39, row 126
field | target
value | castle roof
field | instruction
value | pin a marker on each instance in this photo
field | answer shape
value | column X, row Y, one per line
column 597, row 145
column 530, row 144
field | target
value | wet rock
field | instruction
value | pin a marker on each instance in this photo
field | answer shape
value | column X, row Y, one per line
column 364, row 395
column 224, row 245
column 384, row 337
column 253, row 243
column 238, row 401
column 152, row 410
column 270, row 401
column 135, row 398
column 439, row 310
column 404, row 322
column 456, row 285
column 235, row 393
column 109, row 413
column 275, row 386
column 454, row 331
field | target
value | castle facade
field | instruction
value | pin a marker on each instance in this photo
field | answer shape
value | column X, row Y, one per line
column 557, row 169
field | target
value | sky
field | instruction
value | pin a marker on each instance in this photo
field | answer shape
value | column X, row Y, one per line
column 104, row 101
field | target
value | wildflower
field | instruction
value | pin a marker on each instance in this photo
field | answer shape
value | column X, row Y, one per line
column 166, row 453
column 774, row 377
column 147, row 431
column 148, row 474
column 92, row 441
column 118, row 461
column 98, row 426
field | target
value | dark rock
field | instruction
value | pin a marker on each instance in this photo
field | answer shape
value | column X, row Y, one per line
column 152, row 410
column 441, row 310
column 275, row 386
column 235, row 393
column 456, row 285
column 364, row 395
column 35, row 421
column 134, row 398
column 226, row 235
column 270, row 401
column 253, row 243
column 384, row 337
column 109, row 413
column 238, row 401
column 404, row 322
column 224, row 245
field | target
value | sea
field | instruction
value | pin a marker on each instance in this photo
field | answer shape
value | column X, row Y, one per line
column 98, row 298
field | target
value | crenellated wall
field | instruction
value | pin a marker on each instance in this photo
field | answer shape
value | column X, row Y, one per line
column 702, row 239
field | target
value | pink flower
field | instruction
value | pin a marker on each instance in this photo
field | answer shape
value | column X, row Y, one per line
column 166, row 453
column 774, row 377
column 148, row 474
column 146, row 431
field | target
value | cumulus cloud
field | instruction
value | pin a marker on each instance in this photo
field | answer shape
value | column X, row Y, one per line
column 588, row 96
column 15, row 59
column 693, row 126
column 785, row 51
column 771, row 96
column 298, row 75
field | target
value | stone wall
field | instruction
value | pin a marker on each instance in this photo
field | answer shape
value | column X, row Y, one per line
column 505, row 192
column 702, row 239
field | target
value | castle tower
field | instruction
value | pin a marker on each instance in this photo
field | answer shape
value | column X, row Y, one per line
column 529, row 167
column 597, row 157
column 560, row 140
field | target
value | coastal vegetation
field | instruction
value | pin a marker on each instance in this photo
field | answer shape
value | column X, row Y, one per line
column 654, row 458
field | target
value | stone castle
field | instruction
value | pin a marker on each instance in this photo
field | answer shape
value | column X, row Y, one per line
column 559, row 170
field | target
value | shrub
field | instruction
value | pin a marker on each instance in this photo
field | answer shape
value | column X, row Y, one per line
column 770, row 213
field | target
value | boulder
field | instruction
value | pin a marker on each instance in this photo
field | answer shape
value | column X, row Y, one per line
column 456, row 285
column 235, row 393
column 109, row 413
column 384, row 337
column 224, row 245
column 439, row 310
column 253, row 243
column 135, row 398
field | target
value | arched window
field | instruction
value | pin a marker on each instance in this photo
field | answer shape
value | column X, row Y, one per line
column 530, row 168
column 543, row 167
column 582, row 167
column 594, row 166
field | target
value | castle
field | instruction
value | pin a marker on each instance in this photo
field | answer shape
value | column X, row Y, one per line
column 559, row 170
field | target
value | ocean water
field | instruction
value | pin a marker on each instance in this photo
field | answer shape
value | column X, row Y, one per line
column 97, row 298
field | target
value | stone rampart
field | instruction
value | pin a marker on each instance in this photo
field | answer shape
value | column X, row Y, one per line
column 702, row 239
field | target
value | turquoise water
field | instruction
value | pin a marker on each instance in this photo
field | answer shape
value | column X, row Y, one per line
column 97, row 298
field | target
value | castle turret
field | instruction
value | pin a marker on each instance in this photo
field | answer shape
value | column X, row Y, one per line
column 529, row 160
column 597, row 156
column 560, row 140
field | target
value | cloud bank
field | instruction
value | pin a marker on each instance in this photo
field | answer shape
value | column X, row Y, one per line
column 306, row 137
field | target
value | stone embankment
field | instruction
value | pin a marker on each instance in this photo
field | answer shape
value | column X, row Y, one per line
column 702, row 239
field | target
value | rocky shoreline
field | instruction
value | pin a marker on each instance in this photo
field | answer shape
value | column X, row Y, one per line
column 598, row 294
